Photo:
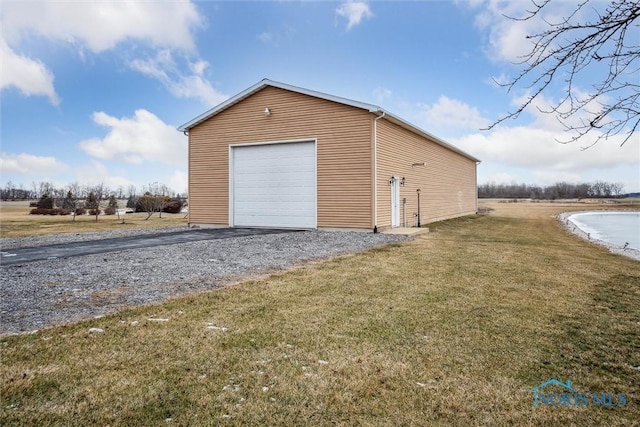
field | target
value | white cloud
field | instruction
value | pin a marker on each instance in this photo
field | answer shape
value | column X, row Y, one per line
column 30, row 76
column 532, row 152
column 507, row 38
column 449, row 113
column 143, row 137
column 178, row 181
column 500, row 80
column 354, row 12
column 101, row 25
column 95, row 173
column 538, row 149
column 526, row 154
column 381, row 94
column 274, row 37
column 165, row 69
column 470, row 3
column 26, row 164
column 266, row 37
column 551, row 177
column 502, row 178
column 97, row 25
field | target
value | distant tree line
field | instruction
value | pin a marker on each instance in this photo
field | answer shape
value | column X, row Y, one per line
column 559, row 190
column 96, row 199
column 36, row 190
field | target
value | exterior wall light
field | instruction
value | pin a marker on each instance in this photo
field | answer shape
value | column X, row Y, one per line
column 267, row 112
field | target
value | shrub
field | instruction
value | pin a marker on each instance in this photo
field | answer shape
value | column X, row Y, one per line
column 148, row 203
column 81, row 211
column 45, row 202
column 94, row 211
column 132, row 201
column 43, row 211
column 68, row 204
column 113, row 202
column 110, row 210
column 173, row 206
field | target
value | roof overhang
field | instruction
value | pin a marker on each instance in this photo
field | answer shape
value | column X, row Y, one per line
column 270, row 83
column 362, row 105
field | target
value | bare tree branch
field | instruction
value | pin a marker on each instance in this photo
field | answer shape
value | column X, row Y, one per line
column 570, row 47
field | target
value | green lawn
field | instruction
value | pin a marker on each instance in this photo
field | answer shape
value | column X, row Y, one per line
column 454, row 328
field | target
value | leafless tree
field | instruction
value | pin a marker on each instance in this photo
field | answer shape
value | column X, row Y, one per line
column 96, row 197
column 7, row 193
column 45, row 188
column 162, row 197
column 574, row 46
column 15, row 193
column 154, row 199
column 70, row 202
column 151, row 203
column 131, row 191
column 617, row 188
column 75, row 192
column 559, row 190
column 160, row 193
column 146, row 203
column 119, row 193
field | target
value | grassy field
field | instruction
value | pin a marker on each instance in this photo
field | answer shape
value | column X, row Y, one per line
column 453, row 328
column 15, row 221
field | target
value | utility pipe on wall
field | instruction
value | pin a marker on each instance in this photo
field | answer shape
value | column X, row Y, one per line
column 418, row 191
column 375, row 170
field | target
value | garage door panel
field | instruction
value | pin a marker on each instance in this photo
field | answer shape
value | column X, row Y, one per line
column 274, row 185
column 253, row 169
column 301, row 166
column 287, row 180
column 305, row 202
column 284, row 189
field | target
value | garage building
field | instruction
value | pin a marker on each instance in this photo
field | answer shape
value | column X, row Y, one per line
column 281, row 156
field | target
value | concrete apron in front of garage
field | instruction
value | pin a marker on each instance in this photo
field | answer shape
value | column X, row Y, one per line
column 90, row 247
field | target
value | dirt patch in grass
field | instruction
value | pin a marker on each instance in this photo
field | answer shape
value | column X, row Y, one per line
column 453, row 328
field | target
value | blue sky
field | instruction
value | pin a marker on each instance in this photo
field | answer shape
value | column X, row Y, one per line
column 94, row 91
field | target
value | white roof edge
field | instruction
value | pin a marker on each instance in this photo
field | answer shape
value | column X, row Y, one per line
column 264, row 83
column 316, row 94
column 222, row 106
column 362, row 105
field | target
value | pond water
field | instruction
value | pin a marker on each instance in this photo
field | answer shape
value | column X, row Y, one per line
column 617, row 228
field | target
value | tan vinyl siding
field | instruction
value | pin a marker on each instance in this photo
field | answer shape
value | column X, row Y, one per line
column 447, row 182
column 343, row 135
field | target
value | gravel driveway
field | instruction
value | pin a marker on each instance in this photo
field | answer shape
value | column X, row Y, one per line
column 52, row 292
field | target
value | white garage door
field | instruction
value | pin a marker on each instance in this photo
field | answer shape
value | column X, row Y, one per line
column 274, row 185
